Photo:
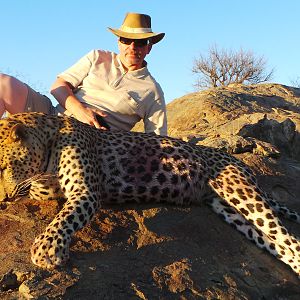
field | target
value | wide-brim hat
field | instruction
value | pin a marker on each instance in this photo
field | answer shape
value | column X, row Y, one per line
column 137, row 26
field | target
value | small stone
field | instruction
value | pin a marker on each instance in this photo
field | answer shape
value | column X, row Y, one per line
column 8, row 281
column 34, row 288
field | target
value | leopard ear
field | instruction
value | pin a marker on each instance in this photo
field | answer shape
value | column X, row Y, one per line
column 18, row 132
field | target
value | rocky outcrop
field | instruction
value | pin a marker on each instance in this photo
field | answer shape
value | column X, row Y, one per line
column 165, row 252
column 225, row 110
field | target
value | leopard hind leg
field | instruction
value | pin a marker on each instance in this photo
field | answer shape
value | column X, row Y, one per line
column 283, row 210
column 263, row 241
column 236, row 184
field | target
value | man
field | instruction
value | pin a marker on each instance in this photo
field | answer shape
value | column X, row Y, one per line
column 117, row 87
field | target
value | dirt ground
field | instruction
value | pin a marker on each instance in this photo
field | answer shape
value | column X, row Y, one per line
column 143, row 252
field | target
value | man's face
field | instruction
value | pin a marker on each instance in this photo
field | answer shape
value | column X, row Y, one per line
column 133, row 52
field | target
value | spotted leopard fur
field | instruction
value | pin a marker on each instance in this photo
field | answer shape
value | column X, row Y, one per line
column 49, row 157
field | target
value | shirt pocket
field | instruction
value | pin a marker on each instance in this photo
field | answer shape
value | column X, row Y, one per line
column 126, row 105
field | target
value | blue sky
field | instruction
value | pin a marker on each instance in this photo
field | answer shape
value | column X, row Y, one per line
column 40, row 39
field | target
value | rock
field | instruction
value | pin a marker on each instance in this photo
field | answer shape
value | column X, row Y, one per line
column 34, row 289
column 47, row 285
column 8, row 281
column 278, row 134
column 224, row 111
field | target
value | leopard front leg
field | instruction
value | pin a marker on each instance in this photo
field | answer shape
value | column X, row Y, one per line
column 51, row 248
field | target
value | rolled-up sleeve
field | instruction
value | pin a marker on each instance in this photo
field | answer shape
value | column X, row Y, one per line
column 77, row 72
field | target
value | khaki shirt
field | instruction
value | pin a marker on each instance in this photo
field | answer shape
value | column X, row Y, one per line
column 100, row 81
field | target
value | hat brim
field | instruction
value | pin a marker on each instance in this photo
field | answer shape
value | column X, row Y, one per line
column 155, row 37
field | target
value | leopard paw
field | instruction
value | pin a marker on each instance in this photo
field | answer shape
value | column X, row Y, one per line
column 50, row 250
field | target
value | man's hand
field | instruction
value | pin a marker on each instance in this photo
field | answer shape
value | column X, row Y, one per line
column 91, row 116
column 63, row 93
column 102, row 122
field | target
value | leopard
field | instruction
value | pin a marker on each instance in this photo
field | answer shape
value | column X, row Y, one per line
column 47, row 157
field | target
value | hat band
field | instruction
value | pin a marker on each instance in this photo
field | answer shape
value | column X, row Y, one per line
column 136, row 30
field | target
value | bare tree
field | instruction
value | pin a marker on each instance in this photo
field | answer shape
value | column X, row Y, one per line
column 296, row 82
column 222, row 67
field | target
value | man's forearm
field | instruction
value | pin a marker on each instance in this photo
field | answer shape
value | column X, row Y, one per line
column 63, row 93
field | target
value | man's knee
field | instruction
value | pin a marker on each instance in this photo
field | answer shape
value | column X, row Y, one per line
column 10, row 85
column 13, row 93
column 5, row 81
column 4, row 77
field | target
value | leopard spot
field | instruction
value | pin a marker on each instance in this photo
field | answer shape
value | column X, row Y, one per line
column 154, row 190
column 235, row 201
column 260, row 222
column 250, row 206
column 161, row 178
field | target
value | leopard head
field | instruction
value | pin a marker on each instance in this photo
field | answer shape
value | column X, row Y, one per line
column 22, row 155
